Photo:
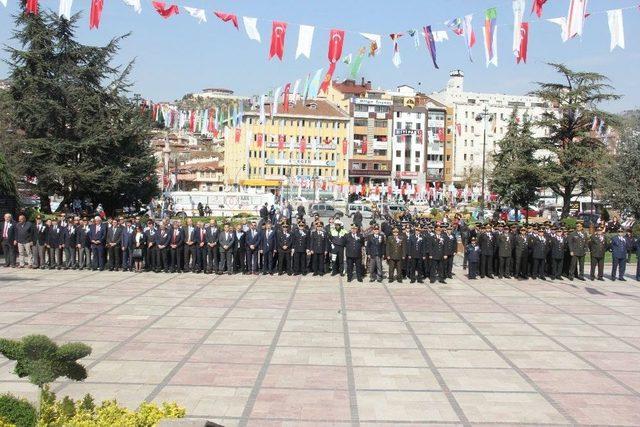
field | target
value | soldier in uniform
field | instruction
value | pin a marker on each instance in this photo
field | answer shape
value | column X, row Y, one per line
column 437, row 256
column 283, row 242
column 539, row 254
column 577, row 242
column 450, row 249
column 318, row 248
column 376, row 249
column 300, row 245
column 522, row 254
column 415, row 255
column 558, row 249
column 487, row 246
column 336, row 238
column 353, row 248
column 598, row 246
column 505, row 246
column 619, row 256
column 395, row 252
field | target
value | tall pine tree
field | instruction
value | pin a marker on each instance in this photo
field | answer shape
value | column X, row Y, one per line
column 574, row 153
column 82, row 136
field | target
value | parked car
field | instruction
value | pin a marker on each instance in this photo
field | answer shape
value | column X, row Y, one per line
column 324, row 210
column 365, row 210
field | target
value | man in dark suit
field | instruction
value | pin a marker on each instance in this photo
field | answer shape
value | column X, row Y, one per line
column 150, row 254
column 415, row 255
column 577, row 242
column 253, row 243
column 239, row 250
column 127, row 246
column 226, row 241
column 395, row 252
column 201, row 248
column 354, row 242
column 190, row 245
column 283, row 243
column 376, row 250
column 539, row 254
column 598, row 246
column 522, row 254
column 83, row 245
column 487, row 247
column 55, row 244
column 558, row 248
column 300, row 245
column 114, row 245
column 450, row 249
column 619, row 256
column 437, row 256
column 97, row 237
column 176, row 246
column 212, row 235
column 505, row 247
column 268, row 248
column 8, row 239
column 40, row 240
column 70, row 241
column 163, row 239
column 24, row 241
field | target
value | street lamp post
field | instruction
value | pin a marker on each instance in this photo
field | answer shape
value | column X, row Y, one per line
column 483, row 116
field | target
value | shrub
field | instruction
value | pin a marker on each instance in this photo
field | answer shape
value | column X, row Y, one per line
column 16, row 411
column 570, row 223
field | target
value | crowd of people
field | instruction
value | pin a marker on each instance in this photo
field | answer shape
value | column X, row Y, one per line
column 281, row 242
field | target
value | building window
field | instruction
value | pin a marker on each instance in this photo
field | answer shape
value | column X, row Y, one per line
column 398, row 153
column 397, row 168
column 471, row 156
column 417, row 154
column 417, row 168
column 376, row 166
column 465, row 157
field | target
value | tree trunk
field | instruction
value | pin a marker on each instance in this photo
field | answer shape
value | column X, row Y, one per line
column 566, row 204
column 45, row 203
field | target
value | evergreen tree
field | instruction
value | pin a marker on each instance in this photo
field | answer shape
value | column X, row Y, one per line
column 574, row 152
column 620, row 180
column 82, row 136
column 516, row 174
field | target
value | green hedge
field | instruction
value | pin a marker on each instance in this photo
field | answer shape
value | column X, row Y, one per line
column 17, row 411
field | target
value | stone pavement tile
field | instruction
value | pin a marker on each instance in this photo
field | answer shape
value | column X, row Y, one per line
column 380, row 340
column 21, row 330
column 373, row 327
column 228, row 353
column 573, row 381
column 395, row 378
column 631, row 379
column 622, row 330
column 302, row 404
column 490, row 317
column 179, row 322
column 119, row 371
column 98, row 348
column 14, row 316
column 207, row 303
column 369, row 314
column 601, row 409
column 84, row 308
column 241, row 337
column 531, row 307
column 399, row 406
column 21, row 389
column 253, row 313
column 484, row 380
column 170, row 335
column 106, row 299
column 187, row 311
column 51, row 318
column 123, row 320
column 207, row 401
column 128, row 395
column 289, row 423
column 578, row 307
column 311, row 339
column 364, row 304
column 162, row 301
column 306, row 377
column 609, row 319
column 545, row 360
column 312, row 314
column 432, row 316
column 453, row 342
column 240, row 324
column 595, row 344
column 530, row 408
column 466, row 359
column 387, row 357
column 309, row 356
column 106, row 333
column 216, row 374
column 614, row 361
column 313, row 325
column 550, row 318
column 441, row 328
column 26, row 306
column 570, row 330
column 514, row 342
column 161, row 352
column 486, row 307
column 506, row 329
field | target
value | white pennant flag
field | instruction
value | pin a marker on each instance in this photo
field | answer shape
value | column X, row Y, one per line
column 65, row 8
column 305, row 38
column 135, row 4
column 296, row 86
column 562, row 22
column 374, row 38
column 199, row 14
column 518, row 15
column 262, row 112
column 274, row 105
column 493, row 60
column 4, row 2
column 616, row 28
column 440, row 36
column 575, row 18
column 251, row 27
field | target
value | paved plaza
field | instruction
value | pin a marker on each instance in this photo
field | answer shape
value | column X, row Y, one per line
column 272, row 350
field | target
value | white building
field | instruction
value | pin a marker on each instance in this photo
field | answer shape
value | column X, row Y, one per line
column 469, row 127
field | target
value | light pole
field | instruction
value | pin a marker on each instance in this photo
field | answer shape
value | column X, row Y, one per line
column 484, row 116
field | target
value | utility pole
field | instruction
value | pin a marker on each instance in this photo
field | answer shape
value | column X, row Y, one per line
column 484, row 116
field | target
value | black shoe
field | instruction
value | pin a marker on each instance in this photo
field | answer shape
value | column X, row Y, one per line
column 399, row 281
column 592, row 278
column 372, row 280
column 360, row 280
column 349, row 280
column 601, row 279
column 490, row 276
column 379, row 280
column 390, row 280
column 622, row 279
column 442, row 281
column 613, row 279
column 581, row 278
column 412, row 281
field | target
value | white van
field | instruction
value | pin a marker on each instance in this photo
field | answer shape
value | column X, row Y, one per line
column 365, row 210
column 185, row 203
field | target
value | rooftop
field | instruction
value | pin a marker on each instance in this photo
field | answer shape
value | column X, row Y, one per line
column 308, row 108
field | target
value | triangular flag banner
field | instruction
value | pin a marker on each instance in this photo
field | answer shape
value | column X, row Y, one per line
column 491, row 55
column 537, row 7
column 518, row 15
column 314, row 85
column 397, row 60
column 296, row 87
column 575, row 18
column 305, row 39
column 305, row 88
column 431, row 44
column 336, row 41
column 490, row 40
column 347, row 59
column 357, row 63
column 278, row 33
column 285, row 98
column 4, row 2
column 135, row 4
column 64, row 9
column 274, row 104
column 524, row 43
column 616, row 28
column 440, row 36
column 375, row 41
column 32, row 6
column 562, row 22
column 455, row 25
column 199, row 14
column 469, row 34
column 413, row 35
column 165, row 11
column 251, row 27
column 262, row 110
column 95, row 13
column 228, row 17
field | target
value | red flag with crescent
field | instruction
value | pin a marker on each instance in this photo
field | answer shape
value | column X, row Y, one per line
column 228, row 17
column 336, row 41
column 524, row 42
column 285, row 98
column 280, row 142
column 303, row 145
column 537, row 7
column 32, row 6
column 95, row 12
column 259, row 140
column 165, row 11
column 278, row 32
column 344, row 147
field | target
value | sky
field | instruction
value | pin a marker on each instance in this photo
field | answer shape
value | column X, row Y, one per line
column 177, row 55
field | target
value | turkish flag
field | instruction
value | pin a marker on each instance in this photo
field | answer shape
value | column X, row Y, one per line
column 95, row 12
column 336, row 40
column 324, row 185
column 32, row 6
column 303, row 145
column 278, row 32
column 165, row 11
column 259, row 140
column 192, row 121
column 441, row 134
column 364, row 145
column 280, row 142
column 389, row 190
column 537, row 7
column 228, row 17
column 285, row 101
column 363, row 188
column 378, row 189
column 238, row 133
column 327, row 140
column 210, row 124
column 524, row 42
column 344, row 146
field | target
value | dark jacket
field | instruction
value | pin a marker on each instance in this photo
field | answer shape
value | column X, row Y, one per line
column 11, row 231
column 300, row 240
column 619, row 247
column 353, row 245
column 318, row 242
column 177, row 236
column 55, row 237
column 376, row 245
column 268, row 243
column 396, row 248
column 70, row 236
column 95, row 234
column 283, row 241
column 577, row 242
column 82, row 237
column 415, row 246
column 437, row 246
column 240, row 242
column 40, row 233
column 473, row 253
column 227, row 240
column 487, row 243
column 162, row 238
column 255, row 240
column 558, row 247
column 521, row 245
column 23, row 232
column 450, row 245
column 505, row 244
column 598, row 245
column 540, row 247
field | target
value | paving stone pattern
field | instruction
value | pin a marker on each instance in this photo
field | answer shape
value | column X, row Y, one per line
column 271, row 350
